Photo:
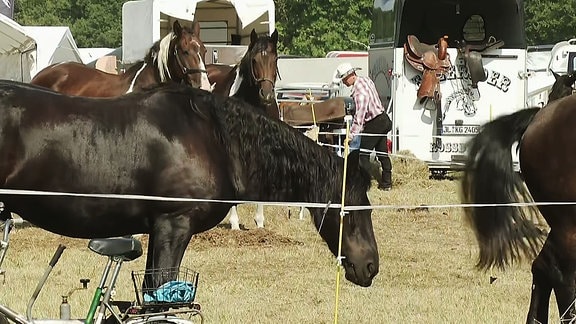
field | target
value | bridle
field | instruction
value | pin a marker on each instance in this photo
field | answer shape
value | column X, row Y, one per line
column 184, row 69
column 260, row 80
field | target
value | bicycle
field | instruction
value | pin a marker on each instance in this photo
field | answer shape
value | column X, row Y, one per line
column 150, row 305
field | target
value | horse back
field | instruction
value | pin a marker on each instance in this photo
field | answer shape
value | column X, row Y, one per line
column 151, row 143
column 547, row 148
column 222, row 77
column 76, row 79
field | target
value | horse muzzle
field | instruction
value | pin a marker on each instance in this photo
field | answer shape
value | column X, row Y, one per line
column 361, row 273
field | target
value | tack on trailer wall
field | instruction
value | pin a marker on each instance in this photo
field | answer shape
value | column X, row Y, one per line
column 225, row 25
column 463, row 109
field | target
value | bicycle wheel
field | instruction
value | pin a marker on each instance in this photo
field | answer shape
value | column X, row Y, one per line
column 3, row 319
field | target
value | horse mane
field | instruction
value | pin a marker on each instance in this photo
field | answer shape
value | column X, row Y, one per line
column 152, row 58
column 285, row 163
column 162, row 58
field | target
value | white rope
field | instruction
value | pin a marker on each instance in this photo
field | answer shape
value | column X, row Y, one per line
column 274, row 203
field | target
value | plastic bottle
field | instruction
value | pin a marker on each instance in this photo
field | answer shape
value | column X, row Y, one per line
column 65, row 309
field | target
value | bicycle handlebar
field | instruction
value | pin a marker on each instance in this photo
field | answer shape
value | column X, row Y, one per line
column 51, row 265
column 57, row 255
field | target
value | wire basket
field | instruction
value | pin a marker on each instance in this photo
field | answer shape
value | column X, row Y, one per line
column 178, row 289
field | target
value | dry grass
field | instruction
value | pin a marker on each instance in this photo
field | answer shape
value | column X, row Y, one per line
column 285, row 274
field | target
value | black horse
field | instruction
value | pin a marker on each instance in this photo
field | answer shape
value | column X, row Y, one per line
column 171, row 141
column 505, row 234
column 563, row 86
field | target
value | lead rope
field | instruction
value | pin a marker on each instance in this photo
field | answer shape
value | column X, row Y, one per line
column 339, row 258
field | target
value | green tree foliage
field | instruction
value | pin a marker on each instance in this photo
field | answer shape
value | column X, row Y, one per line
column 306, row 27
column 314, row 27
column 94, row 23
column 548, row 22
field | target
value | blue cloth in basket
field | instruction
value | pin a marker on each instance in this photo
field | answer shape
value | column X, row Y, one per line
column 172, row 292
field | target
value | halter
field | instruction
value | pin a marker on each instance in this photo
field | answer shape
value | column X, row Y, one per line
column 186, row 70
column 260, row 80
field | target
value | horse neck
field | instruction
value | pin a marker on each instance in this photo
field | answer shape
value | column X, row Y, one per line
column 250, row 93
column 223, row 81
column 275, row 163
column 141, row 75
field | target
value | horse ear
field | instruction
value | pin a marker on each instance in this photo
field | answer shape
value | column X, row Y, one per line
column 253, row 37
column 196, row 28
column 274, row 36
column 176, row 28
column 556, row 75
column 353, row 160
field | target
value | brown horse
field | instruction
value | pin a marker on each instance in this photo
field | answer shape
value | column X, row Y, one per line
column 252, row 80
column 505, row 234
column 177, row 58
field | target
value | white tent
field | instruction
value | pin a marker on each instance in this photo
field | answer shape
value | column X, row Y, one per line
column 55, row 44
column 222, row 22
column 17, row 50
column 90, row 55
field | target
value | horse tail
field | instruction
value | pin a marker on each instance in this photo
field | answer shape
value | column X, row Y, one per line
column 504, row 233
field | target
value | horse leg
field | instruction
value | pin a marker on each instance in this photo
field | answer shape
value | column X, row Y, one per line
column 234, row 220
column 565, row 289
column 541, row 288
column 259, row 216
column 565, row 296
column 550, row 272
column 170, row 235
column 167, row 243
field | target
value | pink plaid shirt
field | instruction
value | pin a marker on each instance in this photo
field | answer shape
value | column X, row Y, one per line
column 368, row 104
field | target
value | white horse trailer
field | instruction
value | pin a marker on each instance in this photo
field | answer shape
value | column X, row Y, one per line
column 494, row 33
column 225, row 25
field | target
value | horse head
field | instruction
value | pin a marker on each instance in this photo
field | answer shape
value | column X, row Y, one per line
column 358, row 248
column 182, row 53
column 562, row 87
column 262, row 60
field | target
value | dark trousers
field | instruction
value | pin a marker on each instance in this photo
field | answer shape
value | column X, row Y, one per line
column 380, row 125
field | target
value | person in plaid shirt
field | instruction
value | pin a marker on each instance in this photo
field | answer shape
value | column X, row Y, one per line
column 370, row 118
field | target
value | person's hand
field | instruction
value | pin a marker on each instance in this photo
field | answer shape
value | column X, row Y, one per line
column 354, row 142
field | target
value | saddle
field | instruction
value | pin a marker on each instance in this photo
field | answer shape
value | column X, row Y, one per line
column 473, row 58
column 432, row 60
